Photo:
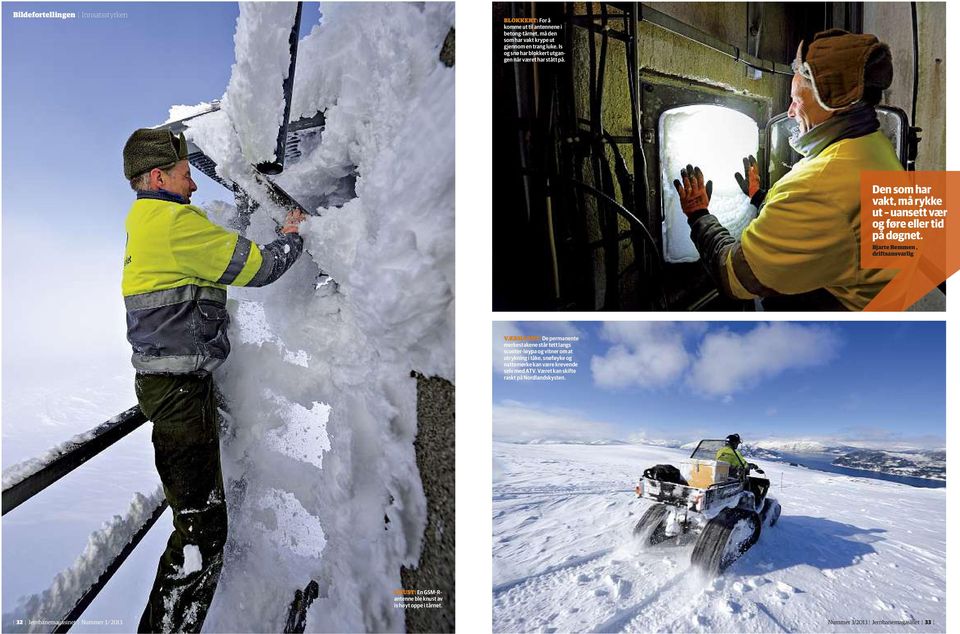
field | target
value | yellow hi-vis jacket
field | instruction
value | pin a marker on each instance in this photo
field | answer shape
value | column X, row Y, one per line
column 805, row 243
column 175, row 271
column 731, row 456
column 807, row 236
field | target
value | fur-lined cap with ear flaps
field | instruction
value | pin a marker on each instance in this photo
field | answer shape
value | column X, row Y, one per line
column 841, row 64
column 148, row 148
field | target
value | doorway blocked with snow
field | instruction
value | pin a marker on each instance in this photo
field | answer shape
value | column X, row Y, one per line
column 685, row 122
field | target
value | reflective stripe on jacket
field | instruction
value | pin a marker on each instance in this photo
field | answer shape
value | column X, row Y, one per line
column 175, row 271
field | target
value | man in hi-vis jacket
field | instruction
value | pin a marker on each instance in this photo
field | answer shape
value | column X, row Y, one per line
column 739, row 467
column 729, row 454
column 803, row 250
column 175, row 272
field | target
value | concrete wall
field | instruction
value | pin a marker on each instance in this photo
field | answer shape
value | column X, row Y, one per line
column 616, row 121
column 727, row 21
column 891, row 22
column 664, row 52
column 436, row 458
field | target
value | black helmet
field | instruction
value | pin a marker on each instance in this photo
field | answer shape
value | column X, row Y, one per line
column 733, row 440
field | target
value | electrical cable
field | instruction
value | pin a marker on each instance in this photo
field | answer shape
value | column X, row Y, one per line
column 629, row 215
column 641, row 181
column 913, row 134
column 571, row 162
column 611, row 227
column 916, row 63
column 520, row 135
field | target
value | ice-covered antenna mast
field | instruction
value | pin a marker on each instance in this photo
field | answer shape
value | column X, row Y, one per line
column 255, row 101
column 276, row 166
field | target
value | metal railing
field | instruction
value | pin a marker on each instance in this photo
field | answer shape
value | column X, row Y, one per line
column 70, row 456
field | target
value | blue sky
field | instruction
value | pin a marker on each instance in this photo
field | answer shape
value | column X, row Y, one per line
column 73, row 92
column 854, row 381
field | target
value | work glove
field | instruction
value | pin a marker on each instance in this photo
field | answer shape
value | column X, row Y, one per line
column 694, row 195
column 750, row 181
column 291, row 224
column 754, row 467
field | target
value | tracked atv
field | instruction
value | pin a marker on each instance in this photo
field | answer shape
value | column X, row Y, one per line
column 725, row 507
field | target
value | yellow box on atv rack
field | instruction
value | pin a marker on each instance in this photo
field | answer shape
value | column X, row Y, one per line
column 704, row 473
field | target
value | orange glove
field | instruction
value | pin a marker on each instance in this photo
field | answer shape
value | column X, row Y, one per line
column 694, row 196
column 291, row 224
column 750, row 182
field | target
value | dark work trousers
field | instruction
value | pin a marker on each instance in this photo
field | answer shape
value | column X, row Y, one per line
column 187, row 454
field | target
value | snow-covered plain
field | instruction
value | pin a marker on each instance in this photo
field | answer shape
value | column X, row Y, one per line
column 564, row 558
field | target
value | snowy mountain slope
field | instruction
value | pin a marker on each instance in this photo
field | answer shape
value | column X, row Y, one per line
column 792, row 446
column 893, row 459
column 845, row 548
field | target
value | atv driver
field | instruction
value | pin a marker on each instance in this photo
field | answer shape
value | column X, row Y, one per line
column 726, row 514
column 739, row 467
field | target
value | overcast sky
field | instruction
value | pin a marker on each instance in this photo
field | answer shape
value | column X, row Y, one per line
column 855, row 381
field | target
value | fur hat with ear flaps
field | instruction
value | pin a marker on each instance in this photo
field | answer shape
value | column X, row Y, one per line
column 841, row 65
column 148, row 148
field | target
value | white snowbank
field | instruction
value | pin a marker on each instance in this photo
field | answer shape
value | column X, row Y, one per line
column 732, row 136
column 103, row 546
column 319, row 460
